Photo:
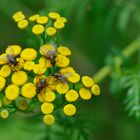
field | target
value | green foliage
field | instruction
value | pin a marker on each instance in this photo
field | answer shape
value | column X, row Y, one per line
column 131, row 81
column 94, row 28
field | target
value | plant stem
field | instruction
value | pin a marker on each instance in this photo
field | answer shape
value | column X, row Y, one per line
column 127, row 52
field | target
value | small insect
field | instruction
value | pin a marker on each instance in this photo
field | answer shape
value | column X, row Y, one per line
column 10, row 59
column 41, row 84
column 50, row 54
column 61, row 77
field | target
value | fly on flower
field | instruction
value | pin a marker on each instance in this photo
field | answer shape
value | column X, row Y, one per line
column 63, row 78
column 41, row 84
column 49, row 52
column 10, row 58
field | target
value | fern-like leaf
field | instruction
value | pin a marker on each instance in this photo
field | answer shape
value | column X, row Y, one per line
column 132, row 101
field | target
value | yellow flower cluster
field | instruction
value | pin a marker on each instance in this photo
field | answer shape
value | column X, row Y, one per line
column 49, row 24
column 42, row 75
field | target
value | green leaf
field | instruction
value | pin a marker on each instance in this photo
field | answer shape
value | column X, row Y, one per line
column 132, row 100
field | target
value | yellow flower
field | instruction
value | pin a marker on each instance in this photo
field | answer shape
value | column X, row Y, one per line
column 4, row 114
column 45, row 62
column 19, row 78
column 5, row 71
column 72, row 95
column 28, row 54
column 52, row 86
column 28, row 90
column 62, row 19
column 13, row 49
column 69, row 109
column 2, row 83
column 34, row 17
column 38, row 29
column 29, row 65
column 49, row 96
column 87, row 81
column 85, row 93
column 1, row 103
column 74, row 78
column 62, row 61
column 12, row 92
column 54, row 15
column 21, row 62
column 47, row 108
column 23, row 24
column 39, row 69
column 49, row 119
column 64, row 51
column 18, row 16
column 67, row 70
column 42, row 20
column 62, row 88
column 51, row 31
column 22, row 104
column 95, row 90
column 59, row 25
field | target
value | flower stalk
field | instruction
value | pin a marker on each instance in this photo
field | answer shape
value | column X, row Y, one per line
column 127, row 52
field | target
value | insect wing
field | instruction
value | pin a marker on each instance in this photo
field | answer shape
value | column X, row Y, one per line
column 68, row 74
column 4, row 59
column 10, row 51
column 44, row 50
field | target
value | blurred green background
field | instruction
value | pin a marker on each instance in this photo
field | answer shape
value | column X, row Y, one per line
column 96, row 30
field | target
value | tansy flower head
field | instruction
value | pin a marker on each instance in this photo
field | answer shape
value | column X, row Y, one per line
column 39, row 69
column 62, row 88
column 38, row 29
column 95, row 90
column 23, row 24
column 85, row 94
column 28, row 54
column 29, row 65
column 87, row 81
column 71, row 95
column 49, row 96
column 51, row 31
column 12, row 92
column 74, row 78
column 19, row 78
column 64, row 51
column 47, row 108
column 49, row 119
column 18, row 16
column 28, row 90
column 59, row 24
column 54, row 15
column 62, row 61
column 4, row 114
column 69, row 109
